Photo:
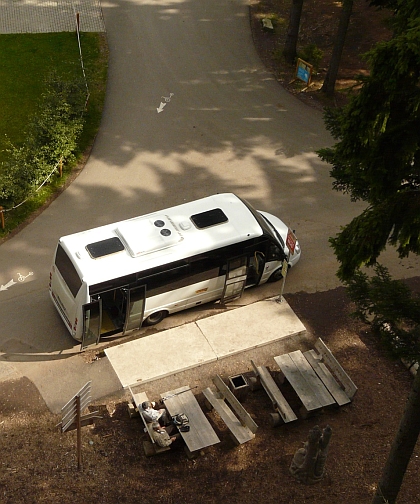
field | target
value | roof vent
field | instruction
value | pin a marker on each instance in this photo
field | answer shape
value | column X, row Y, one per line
column 144, row 235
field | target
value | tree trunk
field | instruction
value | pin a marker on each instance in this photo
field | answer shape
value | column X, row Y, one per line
column 331, row 77
column 289, row 51
column 401, row 449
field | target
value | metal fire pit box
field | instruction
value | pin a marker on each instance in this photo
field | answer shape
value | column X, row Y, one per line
column 239, row 386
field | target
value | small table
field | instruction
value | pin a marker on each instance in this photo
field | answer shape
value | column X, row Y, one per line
column 299, row 373
column 201, row 433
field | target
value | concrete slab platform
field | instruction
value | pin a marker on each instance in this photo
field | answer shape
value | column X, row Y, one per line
column 249, row 327
column 160, row 355
column 202, row 342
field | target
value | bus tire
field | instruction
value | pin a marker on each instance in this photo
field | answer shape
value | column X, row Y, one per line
column 275, row 276
column 155, row 318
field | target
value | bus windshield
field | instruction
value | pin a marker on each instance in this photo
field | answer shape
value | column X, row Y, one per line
column 265, row 224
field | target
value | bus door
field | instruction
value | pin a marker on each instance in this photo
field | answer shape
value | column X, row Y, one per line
column 236, row 275
column 255, row 268
column 92, row 321
column 135, row 299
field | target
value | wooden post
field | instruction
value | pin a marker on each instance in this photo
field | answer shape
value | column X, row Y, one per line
column 61, row 167
column 79, row 434
column 2, row 217
column 78, row 21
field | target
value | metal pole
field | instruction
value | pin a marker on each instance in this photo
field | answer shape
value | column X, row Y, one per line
column 79, row 434
column 285, row 269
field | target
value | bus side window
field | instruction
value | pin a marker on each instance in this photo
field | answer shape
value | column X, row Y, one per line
column 274, row 253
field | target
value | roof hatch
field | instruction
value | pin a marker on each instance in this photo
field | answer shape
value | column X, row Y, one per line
column 209, row 218
column 104, row 247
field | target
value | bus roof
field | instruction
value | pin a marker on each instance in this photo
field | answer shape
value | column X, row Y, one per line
column 169, row 235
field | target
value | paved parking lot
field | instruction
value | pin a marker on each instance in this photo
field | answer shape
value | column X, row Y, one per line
column 44, row 16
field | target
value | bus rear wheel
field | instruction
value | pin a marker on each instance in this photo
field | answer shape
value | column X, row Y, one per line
column 155, row 318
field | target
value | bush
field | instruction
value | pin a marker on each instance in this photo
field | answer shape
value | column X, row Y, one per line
column 311, row 54
column 391, row 308
column 52, row 134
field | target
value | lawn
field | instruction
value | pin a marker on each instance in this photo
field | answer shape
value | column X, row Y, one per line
column 26, row 60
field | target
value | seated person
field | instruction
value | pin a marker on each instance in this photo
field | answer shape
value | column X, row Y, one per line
column 161, row 436
column 150, row 414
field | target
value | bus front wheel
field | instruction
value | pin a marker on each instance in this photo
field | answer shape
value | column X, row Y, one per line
column 155, row 318
column 275, row 276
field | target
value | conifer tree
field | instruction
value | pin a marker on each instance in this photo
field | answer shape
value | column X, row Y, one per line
column 377, row 157
column 377, row 160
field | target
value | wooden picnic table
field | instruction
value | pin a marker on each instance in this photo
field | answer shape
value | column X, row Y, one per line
column 300, row 374
column 201, row 433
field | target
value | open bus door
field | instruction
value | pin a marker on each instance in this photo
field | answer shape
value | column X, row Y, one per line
column 255, row 268
column 135, row 299
column 92, row 321
column 236, row 275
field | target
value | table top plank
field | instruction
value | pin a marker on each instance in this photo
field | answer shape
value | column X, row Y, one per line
column 319, row 389
column 327, row 378
column 305, row 382
column 201, row 433
column 294, row 377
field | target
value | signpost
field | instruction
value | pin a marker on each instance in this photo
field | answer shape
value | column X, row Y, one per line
column 291, row 241
column 72, row 418
column 291, row 245
column 304, row 71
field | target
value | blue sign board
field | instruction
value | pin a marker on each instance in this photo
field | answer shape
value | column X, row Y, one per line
column 303, row 71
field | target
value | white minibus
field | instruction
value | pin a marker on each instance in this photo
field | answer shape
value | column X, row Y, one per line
column 114, row 278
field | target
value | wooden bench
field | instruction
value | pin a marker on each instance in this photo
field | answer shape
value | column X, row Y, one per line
column 241, row 426
column 329, row 375
column 150, row 447
column 283, row 410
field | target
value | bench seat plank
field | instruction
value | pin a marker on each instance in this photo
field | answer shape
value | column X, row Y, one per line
column 139, row 398
column 240, row 433
column 277, row 398
column 329, row 359
column 327, row 378
column 234, row 403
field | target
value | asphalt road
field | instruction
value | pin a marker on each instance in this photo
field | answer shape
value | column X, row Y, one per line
column 225, row 125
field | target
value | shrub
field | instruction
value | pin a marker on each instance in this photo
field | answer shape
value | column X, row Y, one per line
column 311, row 54
column 51, row 135
column 390, row 307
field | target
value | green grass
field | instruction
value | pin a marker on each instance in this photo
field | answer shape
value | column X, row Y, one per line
column 25, row 62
